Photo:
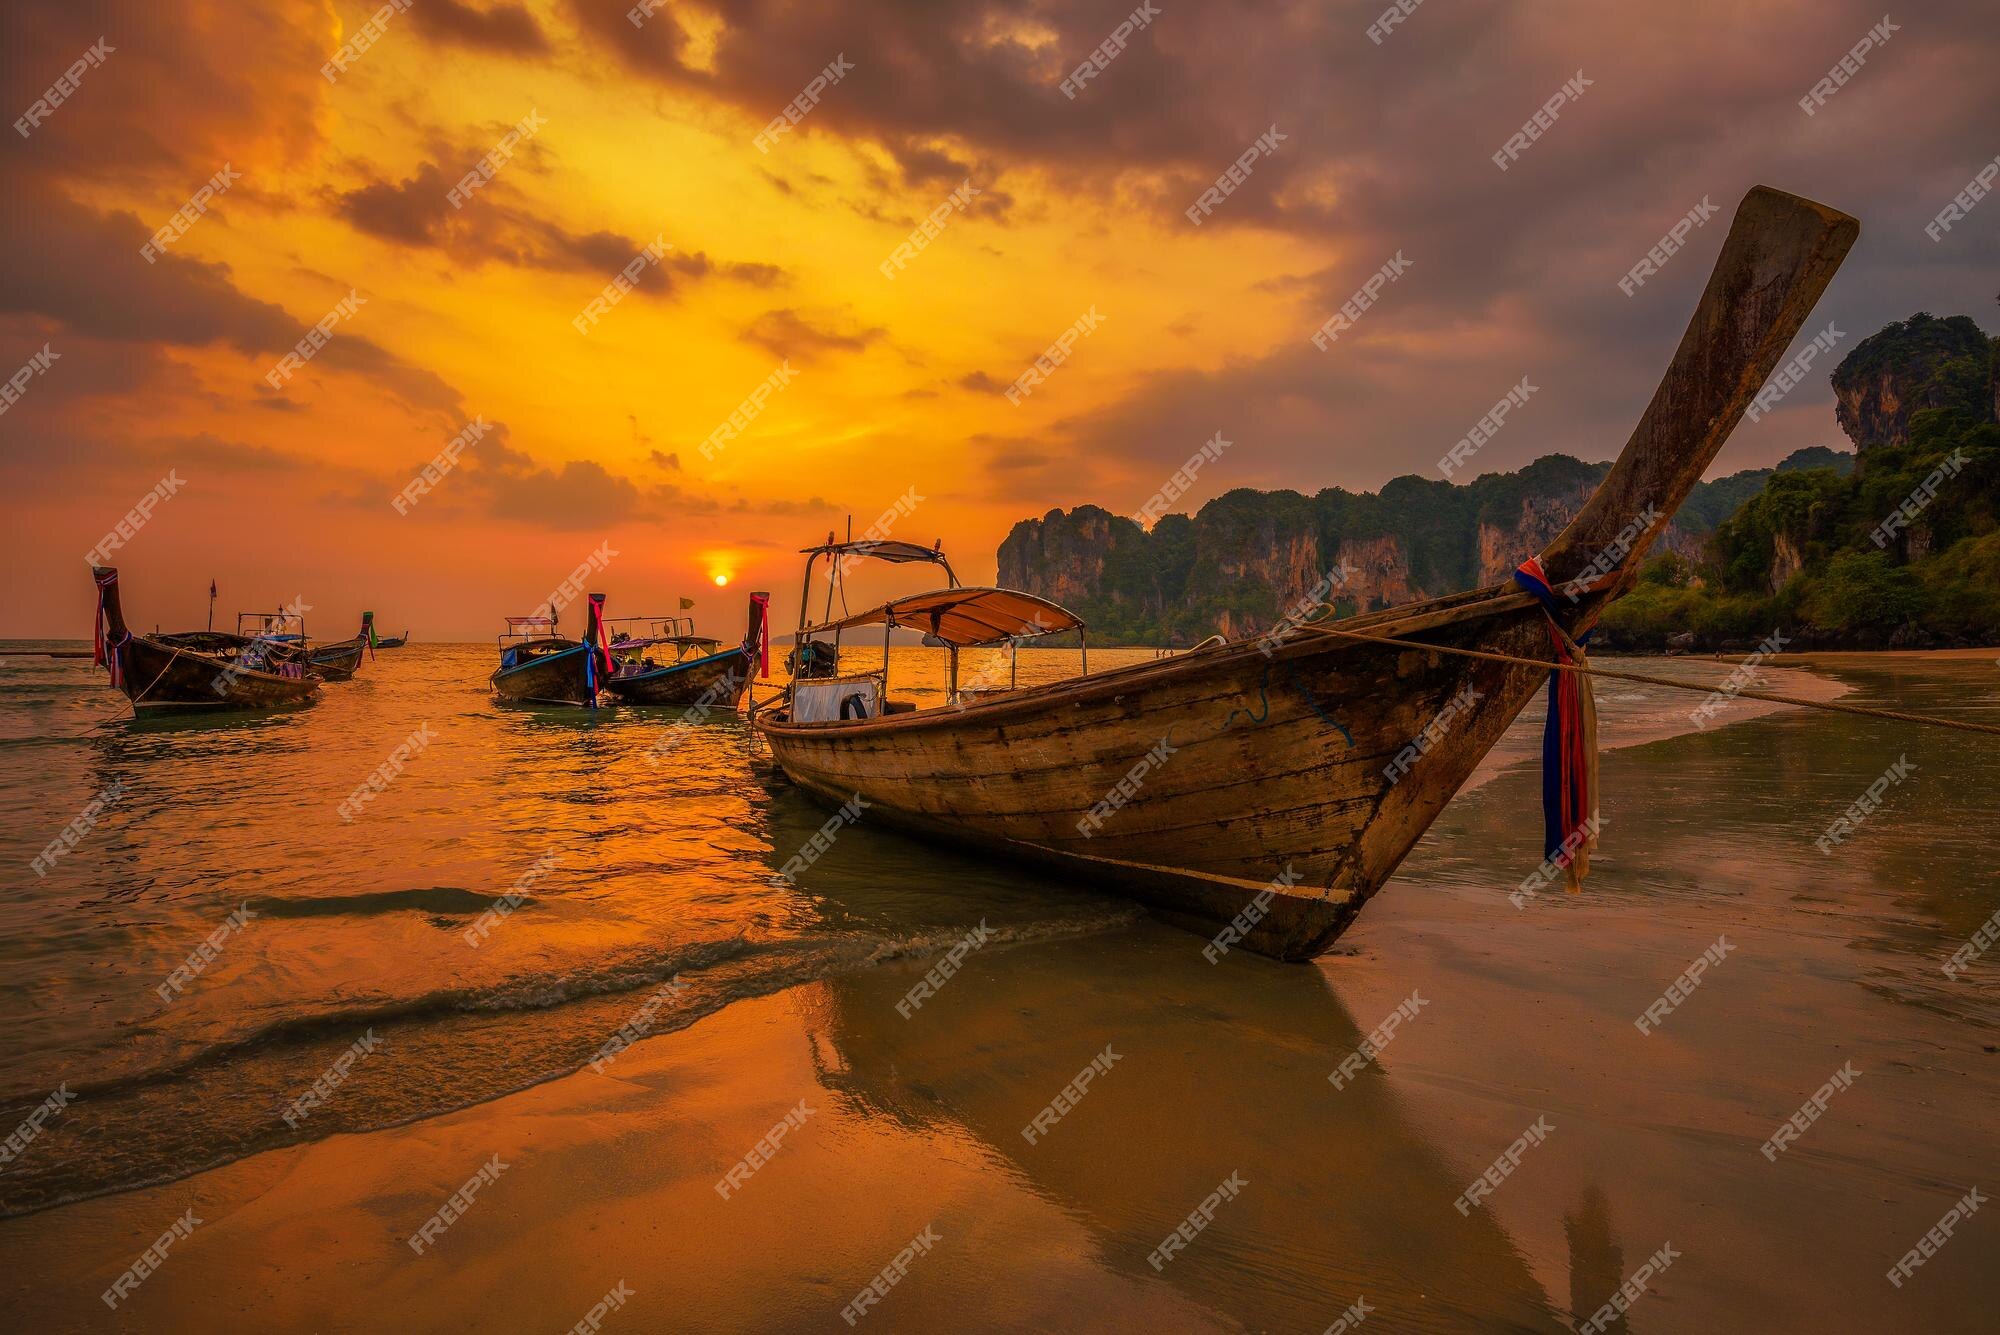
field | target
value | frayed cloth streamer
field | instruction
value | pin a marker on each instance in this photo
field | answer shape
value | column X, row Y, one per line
column 1569, row 743
column 105, row 651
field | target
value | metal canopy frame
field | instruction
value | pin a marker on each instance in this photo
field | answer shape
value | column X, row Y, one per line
column 843, row 553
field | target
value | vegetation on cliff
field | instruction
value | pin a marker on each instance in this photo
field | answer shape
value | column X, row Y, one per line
column 1248, row 556
column 1790, row 549
column 1802, row 556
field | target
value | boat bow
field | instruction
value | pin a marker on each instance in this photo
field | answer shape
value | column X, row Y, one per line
column 1260, row 792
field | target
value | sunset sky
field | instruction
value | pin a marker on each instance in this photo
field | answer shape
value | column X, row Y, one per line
column 649, row 129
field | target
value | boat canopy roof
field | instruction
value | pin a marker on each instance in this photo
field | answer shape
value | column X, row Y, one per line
column 881, row 549
column 966, row 617
column 279, row 625
column 530, row 622
column 627, row 645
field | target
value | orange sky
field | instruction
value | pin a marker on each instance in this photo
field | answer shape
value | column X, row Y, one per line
column 648, row 130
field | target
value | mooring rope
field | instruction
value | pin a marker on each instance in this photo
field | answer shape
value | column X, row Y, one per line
column 154, row 682
column 1831, row 706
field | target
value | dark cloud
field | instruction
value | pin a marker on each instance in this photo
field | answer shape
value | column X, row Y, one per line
column 968, row 70
column 787, row 333
column 83, row 271
column 503, row 28
column 509, row 484
column 413, row 212
column 489, row 226
column 179, row 90
column 578, row 495
column 981, row 383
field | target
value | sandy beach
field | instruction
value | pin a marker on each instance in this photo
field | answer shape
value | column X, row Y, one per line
column 607, row 1181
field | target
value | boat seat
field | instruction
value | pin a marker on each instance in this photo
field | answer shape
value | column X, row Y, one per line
column 841, row 698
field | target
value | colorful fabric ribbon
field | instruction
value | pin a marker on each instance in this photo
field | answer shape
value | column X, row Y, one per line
column 761, row 604
column 597, row 654
column 1569, row 743
column 105, row 651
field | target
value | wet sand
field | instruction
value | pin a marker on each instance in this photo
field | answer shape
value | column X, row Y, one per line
column 1348, row 1192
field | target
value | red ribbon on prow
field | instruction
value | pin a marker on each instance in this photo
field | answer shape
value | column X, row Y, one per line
column 104, row 653
column 760, row 626
column 1569, row 744
column 600, row 650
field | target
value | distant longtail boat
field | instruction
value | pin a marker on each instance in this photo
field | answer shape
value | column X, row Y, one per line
column 538, row 666
column 198, row 670
column 339, row 661
column 666, row 663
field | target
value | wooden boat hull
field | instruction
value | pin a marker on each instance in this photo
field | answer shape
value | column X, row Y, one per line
column 161, row 677
column 718, row 680
column 393, row 642
column 1242, row 769
column 553, row 679
column 1271, row 789
column 338, row 662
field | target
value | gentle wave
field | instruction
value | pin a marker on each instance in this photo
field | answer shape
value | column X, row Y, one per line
column 453, row 900
column 446, row 1050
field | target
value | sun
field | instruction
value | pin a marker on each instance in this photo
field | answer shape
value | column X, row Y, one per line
column 721, row 580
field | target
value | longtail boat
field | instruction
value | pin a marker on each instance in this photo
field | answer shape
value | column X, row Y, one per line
column 661, row 661
column 393, row 641
column 538, row 666
column 198, row 670
column 1262, row 790
column 340, row 660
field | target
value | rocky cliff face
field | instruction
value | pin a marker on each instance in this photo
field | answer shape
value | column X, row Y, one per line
column 1378, row 572
column 1533, row 527
column 1787, row 559
column 1250, row 557
column 1921, row 362
column 1067, row 552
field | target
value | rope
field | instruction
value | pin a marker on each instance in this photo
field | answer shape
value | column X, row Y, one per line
column 1291, row 675
column 1263, row 695
column 154, row 682
column 1831, row 706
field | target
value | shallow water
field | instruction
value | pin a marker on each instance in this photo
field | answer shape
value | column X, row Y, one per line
column 630, row 863
column 663, row 871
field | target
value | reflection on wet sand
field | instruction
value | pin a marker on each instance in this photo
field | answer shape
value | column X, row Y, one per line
column 1596, row 1261
column 1225, row 1071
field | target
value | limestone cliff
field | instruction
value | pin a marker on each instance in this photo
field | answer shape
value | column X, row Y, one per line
column 1248, row 557
column 1921, row 362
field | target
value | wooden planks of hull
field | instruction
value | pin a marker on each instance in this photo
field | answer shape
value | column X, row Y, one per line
column 161, row 677
column 718, row 680
column 553, row 679
column 338, row 662
column 1198, row 782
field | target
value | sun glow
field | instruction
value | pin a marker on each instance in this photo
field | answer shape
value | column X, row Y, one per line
column 721, row 580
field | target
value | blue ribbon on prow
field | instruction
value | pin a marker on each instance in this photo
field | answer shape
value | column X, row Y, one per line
column 1556, row 774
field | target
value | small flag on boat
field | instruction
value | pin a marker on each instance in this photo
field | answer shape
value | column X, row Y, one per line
column 211, row 587
column 1569, row 743
column 686, row 603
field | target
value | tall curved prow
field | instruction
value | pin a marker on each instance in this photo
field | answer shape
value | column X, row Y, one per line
column 1781, row 252
column 1323, row 750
